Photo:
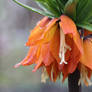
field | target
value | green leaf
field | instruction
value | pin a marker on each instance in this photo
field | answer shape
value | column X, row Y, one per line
column 84, row 10
column 50, row 6
column 60, row 6
column 43, row 6
column 53, row 4
column 64, row 1
column 85, row 25
column 70, row 8
column 34, row 9
column 55, row 7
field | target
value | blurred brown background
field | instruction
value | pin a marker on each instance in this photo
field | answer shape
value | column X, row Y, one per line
column 15, row 24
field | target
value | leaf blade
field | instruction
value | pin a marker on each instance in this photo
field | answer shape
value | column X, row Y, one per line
column 34, row 9
column 70, row 8
column 85, row 25
column 84, row 10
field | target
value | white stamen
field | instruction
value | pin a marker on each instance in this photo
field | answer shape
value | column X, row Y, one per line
column 84, row 76
column 44, row 76
column 63, row 47
column 67, row 47
column 89, row 81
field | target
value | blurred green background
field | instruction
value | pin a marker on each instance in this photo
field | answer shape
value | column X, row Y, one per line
column 15, row 25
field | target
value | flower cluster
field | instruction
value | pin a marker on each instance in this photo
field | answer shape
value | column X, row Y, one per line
column 62, row 41
column 58, row 46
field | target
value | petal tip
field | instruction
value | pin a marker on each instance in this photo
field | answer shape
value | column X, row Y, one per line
column 34, row 70
column 17, row 65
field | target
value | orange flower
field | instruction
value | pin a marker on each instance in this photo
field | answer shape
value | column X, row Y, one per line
column 44, row 47
column 55, row 45
column 85, row 75
column 73, row 40
column 86, row 58
column 59, row 45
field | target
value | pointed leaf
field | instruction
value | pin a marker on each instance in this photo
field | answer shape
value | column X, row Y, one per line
column 84, row 10
column 64, row 1
column 51, row 6
column 34, row 9
column 85, row 25
column 70, row 8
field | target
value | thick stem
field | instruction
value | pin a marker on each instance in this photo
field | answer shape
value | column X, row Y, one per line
column 73, row 80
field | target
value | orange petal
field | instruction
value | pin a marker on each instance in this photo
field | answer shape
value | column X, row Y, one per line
column 73, row 60
column 30, row 58
column 56, row 71
column 49, row 69
column 53, row 71
column 89, row 73
column 37, row 32
column 42, row 34
column 39, row 64
column 69, row 27
column 72, row 57
column 87, row 32
column 73, row 40
column 50, row 30
column 55, row 44
column 86, row 58
column 46, row 54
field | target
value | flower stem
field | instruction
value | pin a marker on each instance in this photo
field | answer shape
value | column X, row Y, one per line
column 73, row 80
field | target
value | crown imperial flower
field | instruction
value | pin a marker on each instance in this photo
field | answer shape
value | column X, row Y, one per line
column 62, row 40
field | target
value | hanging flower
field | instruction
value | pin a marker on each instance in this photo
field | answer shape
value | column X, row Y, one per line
column 61, row 42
